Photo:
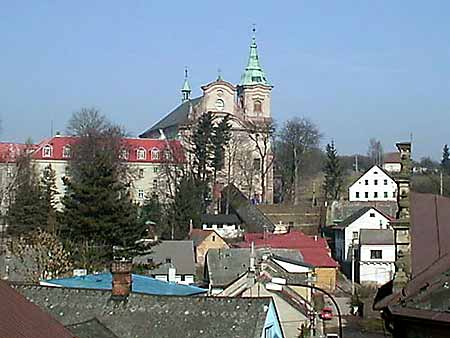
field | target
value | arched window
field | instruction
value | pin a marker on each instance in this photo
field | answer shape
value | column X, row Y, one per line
column 155, row 154
column 141, row 154
column 47, row 151
column 257, row 106
column 220, row 105
column 67, row 151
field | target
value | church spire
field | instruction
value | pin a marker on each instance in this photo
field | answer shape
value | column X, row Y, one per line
column 254, row 74
column 186, row 90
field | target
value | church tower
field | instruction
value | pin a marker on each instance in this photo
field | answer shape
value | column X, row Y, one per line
column 186, row 90
column 254, row 90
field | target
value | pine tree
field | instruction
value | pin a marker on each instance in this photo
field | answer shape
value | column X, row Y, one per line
column 49, row 193
column 219, row 140
column 333, row 174
column 98, row 211
column 445, row 163
column 26, row 210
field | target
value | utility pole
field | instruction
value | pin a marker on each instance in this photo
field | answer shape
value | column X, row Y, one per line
column 353, row 266
column 441, row 190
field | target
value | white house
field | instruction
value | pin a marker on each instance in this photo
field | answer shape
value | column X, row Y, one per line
column 374, row 185
column 376, row 256
column 227, row 226
column 392, row 162
column 347, row 232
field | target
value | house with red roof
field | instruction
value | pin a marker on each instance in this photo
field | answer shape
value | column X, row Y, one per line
column 146, row 157
column 314, row 249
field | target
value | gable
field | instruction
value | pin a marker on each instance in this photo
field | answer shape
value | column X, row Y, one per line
column 373, row 173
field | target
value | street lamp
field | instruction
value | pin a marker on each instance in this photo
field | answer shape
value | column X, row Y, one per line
column 283, row 282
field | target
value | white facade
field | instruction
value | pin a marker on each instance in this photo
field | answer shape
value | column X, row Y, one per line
column 225, row 230
column 392, row 167
column 179, row 279
column 374, row 185
column 376, row 263
column 371, row 219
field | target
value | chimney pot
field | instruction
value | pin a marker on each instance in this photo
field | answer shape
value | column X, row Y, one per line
column 121, row 278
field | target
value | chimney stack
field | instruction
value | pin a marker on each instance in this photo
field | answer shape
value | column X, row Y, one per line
column 121, row 279
column 402, row 224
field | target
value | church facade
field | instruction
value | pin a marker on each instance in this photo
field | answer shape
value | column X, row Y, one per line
column 249, row 157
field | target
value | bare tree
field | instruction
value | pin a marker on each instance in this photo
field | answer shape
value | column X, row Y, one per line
column 375, row 151
column 296, row 139
column 261, row 135
column 87, row 121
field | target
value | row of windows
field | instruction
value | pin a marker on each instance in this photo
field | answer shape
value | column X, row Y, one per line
column 141, row 153
column 141, row 171
column 375, row 194
column 375, row 182
column 141, row 192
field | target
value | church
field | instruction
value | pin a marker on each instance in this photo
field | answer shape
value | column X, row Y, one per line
column 249, row 157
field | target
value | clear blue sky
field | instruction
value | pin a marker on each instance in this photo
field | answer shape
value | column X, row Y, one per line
column 358, row 69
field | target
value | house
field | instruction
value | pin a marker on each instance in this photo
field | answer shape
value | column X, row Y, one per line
column 141, row 284
column 420, row 307
column 376, row 256
column 224, row 266
column 205, row 240
column 144, row 157
column 20, row 318
column 119, row 313
column 171, row 261
column 374, row 185
column 227, row 226
column 313, row 249
column 392, row 162
column 347, row 232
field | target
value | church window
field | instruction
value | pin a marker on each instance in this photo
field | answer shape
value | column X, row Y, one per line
column 155, row 154
column 257, row 106
column 67, row 151
column 141, row 154
column 220, row 105
column 47, row 151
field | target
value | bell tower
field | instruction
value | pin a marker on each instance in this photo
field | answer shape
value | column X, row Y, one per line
column 186, row 90
column 254, row 89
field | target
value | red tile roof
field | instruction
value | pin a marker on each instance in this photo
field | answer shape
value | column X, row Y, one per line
column 314, row 249
column 391, row 157
column 20, row 318
column 131, row 145
column 9, row 152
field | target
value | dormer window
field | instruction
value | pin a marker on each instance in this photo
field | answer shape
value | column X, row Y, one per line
column 257, row 106
column 141, row 154
column 47, row 151
column 167, row 155
column 155, row 154
column 123, row 154
column 67, row 151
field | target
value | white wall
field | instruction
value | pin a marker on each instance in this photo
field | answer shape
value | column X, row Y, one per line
column 392, row 167
column 372, row 219
column 226, row 230
column 379, row 271
column 374, row 185
column 188, row 279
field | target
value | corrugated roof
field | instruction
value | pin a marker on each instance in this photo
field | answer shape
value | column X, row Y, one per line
column 20, row 318
column 140, row 284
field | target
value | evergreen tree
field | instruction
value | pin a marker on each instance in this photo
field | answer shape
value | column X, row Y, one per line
column 333, row 174
column 184, row 208
column 98, row 210
column 49, row 193
column 445, row 163
column 26, row 210
column 220, row 139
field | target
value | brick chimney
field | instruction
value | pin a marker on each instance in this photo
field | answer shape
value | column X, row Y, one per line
column 402, row 224
column 121, row 279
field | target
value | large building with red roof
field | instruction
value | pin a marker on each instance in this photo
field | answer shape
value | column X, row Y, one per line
column 146, row 157
column 314, row 249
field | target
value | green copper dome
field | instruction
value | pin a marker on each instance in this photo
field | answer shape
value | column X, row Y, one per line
column 254, row 74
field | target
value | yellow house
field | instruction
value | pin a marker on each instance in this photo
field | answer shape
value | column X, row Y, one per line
column 205, row 240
